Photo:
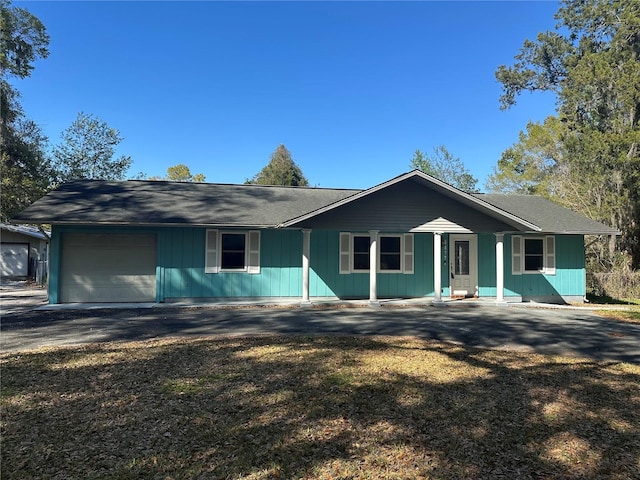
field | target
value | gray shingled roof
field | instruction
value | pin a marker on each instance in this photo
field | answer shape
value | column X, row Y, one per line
column 25, row 230
column 177, row 203
column 549, row 216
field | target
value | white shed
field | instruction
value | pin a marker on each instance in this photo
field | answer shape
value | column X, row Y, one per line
column 23, row 251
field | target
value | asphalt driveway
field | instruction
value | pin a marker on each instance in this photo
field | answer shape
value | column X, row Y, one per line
column 574, row 332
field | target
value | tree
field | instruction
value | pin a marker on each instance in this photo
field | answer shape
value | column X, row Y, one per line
column 87, row 151
column 592, row 63
column 181, row 173
column 23, row 40
column 24, row 168
column 281, row 170
column 444, row 166
column 25, row 171
column 530, row 165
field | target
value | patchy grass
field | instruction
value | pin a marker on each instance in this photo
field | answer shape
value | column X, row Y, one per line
column 315, row 407
column 628, row 315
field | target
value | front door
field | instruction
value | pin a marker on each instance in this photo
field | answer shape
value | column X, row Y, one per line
column 463, row 265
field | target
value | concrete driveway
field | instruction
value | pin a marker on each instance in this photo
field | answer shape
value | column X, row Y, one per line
column 20, row 296
column 574, row 332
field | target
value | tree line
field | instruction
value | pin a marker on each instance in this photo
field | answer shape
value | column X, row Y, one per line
column 587, row 156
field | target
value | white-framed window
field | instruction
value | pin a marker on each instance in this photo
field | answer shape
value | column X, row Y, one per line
column 535, row 254
column 390, row 253
column 395, row 253
column 232, row 251
column 361, row 253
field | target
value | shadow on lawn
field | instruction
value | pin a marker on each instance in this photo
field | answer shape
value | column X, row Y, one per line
column 316, row 407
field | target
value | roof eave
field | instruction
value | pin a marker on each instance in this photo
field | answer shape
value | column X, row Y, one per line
column 584, row 232
column 158, row 224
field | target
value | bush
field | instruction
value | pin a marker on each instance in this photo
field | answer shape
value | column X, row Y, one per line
column 622, row 283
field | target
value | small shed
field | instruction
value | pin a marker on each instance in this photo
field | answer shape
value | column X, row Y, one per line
column 23, row 252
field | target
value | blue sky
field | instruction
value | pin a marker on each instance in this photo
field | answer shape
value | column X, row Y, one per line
column 352, row 89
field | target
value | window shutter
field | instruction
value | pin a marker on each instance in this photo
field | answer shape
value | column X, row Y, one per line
column 253, row 266
column 211, row 252
column 550, row 255
column 345, row 252
column 407, row 266
column 516, row 255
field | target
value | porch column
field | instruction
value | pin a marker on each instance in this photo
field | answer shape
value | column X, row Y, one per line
column 499, row 267
column 437, row 267
column 373, row 267
column 306, row 249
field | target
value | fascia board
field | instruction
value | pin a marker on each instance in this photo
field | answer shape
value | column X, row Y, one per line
column 15, row 228
column 585, row 232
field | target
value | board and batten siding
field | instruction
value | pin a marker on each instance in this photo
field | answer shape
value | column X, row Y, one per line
column 182, row 261
column 182, row 269
column 487, row 265
column 326, row 280
column 568, row 281
column 180, row 253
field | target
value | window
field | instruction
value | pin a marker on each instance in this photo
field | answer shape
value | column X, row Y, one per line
column 390, row 254
column 395, row 253
column 533, row 255
column 361, row 252
column 461, row 257
column 232, row 252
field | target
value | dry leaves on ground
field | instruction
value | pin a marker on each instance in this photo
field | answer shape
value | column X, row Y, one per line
column 315, row 407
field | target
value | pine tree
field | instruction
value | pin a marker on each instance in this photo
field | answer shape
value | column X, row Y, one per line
column 281, row 170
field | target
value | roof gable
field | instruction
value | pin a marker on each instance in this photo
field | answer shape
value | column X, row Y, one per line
column 502, row 220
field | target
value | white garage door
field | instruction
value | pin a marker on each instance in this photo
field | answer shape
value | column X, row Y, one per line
column 108, row 268
column 14, row 259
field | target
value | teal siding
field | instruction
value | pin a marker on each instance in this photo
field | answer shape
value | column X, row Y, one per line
column 181, row 251
column 326, row 280
column 569, row 279
column 182, row 261
column 55, row 248
column 487, row 265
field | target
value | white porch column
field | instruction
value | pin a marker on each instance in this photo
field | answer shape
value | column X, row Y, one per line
column 437, row 267
column 373, row 267
column 499, row 267
column 306, row 249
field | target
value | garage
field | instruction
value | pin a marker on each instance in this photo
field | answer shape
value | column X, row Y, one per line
column 108, row 268
column 14, row 259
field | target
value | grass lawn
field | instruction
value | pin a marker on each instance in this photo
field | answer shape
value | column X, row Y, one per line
column 315, row 407
column 628, row 315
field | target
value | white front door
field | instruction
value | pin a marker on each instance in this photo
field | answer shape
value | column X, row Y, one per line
column 463, row 265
